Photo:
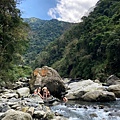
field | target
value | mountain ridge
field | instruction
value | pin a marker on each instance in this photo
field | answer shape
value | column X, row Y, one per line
column 42, row 33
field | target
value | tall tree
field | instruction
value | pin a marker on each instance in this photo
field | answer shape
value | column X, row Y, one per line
column 13, row 35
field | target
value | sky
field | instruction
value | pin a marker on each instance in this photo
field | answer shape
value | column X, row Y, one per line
column 64, row 10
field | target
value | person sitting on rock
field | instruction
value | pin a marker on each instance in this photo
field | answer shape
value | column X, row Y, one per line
column 46, row 92
column 37, row 92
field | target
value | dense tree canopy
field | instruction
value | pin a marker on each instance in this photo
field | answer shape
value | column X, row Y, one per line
column 42, row 33
column 13, row 37
column 90, row 49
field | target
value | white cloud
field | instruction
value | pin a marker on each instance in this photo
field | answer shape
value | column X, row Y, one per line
column 71, row 10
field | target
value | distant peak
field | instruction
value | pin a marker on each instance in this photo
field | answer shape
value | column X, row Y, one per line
column 34, row 19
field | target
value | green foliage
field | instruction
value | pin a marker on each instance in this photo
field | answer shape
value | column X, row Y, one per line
column 13, row 37
column 20, row 71
column 91, row 49
column 14, row 72
column 42, row 33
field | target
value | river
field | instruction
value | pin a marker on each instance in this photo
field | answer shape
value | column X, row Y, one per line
column 80, row 110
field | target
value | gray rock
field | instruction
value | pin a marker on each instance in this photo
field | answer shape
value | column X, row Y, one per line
column 99, row 96
column 39, row 114
column 22, row 92
column 1, row 115
column 77, row 89
column 115, row 89
column 34, row 99
column 113, row 80
column 10, row 95
column 16, row 115
column 4, row 107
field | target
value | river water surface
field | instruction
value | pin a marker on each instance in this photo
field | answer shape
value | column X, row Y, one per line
column 79, row 110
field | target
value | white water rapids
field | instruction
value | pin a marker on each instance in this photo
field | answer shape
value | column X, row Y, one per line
column 78, row 110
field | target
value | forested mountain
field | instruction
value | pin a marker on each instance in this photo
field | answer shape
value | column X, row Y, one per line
column 42, row 33
column 90, row 49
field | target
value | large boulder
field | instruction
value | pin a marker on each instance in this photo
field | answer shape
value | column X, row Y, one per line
column 115, row 89
column 77, row 89
column 99, row 96
column 49, row 77
column 113, row 80
column 16, row 115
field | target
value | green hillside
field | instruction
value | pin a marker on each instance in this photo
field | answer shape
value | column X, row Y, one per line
column 91, row 49
column 42, row 33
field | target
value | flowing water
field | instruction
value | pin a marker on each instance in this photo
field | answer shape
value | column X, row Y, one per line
column 79, row 110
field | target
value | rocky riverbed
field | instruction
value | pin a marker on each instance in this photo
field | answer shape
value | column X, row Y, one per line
column 18, row 102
